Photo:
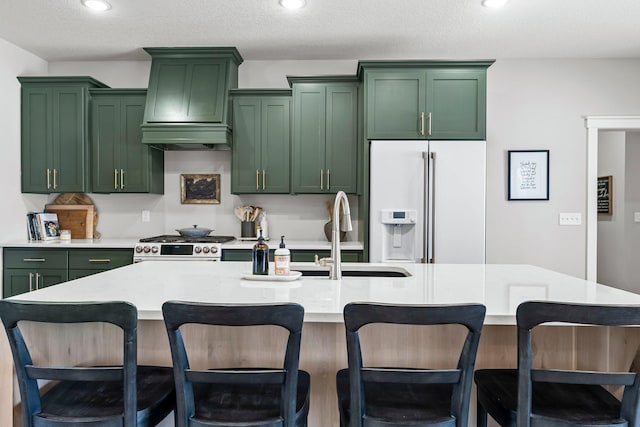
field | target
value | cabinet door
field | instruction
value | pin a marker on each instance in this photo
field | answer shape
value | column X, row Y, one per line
column 341, row 138
column 245, row 170
column 309, row 138
column 18, row 281
column 187, row 90
column 456, row 100
column 394, row 102
column 135, row 157
column 105, row 142
column 36, row 146
column 275, row 145
column 69, row 139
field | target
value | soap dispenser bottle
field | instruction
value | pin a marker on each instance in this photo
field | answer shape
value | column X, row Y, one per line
column 260, row 256
column 282, row 259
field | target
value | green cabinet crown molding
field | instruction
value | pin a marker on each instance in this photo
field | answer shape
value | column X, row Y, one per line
column 112, row 91
column 421, row 64
column 46, row 80
column 259, row 92
column 330, row 78
column 229, row 52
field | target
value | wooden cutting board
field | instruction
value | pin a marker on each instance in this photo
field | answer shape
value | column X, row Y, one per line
column 76, row 218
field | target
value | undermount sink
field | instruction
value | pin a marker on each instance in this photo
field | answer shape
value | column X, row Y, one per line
column 357, row 271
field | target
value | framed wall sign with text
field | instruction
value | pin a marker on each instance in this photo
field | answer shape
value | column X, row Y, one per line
column 528, row 174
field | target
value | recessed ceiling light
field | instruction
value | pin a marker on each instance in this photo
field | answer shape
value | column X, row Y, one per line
column 494, row 3
column 97, row 5
column 292, row 4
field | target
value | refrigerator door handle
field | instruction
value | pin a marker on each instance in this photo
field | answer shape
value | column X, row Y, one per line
column 429, row 226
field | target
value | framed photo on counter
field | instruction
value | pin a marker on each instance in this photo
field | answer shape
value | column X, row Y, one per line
column 200, row 188
column 528, row 175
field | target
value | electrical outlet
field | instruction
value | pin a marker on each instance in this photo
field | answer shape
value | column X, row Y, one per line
column 146, row 216
column 636, row 216
column 570, row 218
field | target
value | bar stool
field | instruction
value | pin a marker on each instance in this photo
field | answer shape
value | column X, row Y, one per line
column 544, row 397
column 126, row 395
column 388, row 396
column 244, row 397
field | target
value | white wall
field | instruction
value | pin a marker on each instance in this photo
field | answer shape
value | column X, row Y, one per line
column 14, row 62
column 611, row 228
column 532, row 104
column 540, row 104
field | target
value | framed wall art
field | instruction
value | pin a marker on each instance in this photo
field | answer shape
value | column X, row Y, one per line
column 605, row 193
column 200, row 188
column 528, row 175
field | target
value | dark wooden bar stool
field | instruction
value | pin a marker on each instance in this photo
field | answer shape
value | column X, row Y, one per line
column 388, row 396
column 547, row 398
column 234, row 397
column 105, row 396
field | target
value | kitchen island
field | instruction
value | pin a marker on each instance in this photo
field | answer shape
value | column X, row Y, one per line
column 500, row 287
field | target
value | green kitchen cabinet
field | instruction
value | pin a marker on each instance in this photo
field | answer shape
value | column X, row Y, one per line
column 91, row 261
column 325, row 134
column 27, row 269
column 425, row 99
column 261, row 141
column 120, row 162
column 54, row 133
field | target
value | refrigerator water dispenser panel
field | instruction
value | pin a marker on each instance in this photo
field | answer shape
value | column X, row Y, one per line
column 398, row 243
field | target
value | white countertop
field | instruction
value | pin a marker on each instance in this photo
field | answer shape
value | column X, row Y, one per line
column 131, row 242
column 500, row 287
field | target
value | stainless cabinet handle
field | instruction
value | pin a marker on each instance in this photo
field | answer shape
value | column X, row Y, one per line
column 99, row 259
column 328, row 179
column 115, row 179
column 30, row 282
column 422, row 123
column 34, row 259
column 322, row 179
column 429, row 123
column 257, row 179
column 264, row 179
column 121, row 179
column 38, row 281
column 55, row 179
column 48, row 178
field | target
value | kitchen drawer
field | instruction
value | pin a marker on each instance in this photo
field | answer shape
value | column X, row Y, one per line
column 35, row 258
column 297, row 255
column 99, row 259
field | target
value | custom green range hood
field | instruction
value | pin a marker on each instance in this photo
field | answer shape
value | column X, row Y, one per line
column 188, row 104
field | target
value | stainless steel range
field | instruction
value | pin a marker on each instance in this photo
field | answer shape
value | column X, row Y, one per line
column 173, row 247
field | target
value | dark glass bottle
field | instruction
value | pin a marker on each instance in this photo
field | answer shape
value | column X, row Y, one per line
column 260, row 256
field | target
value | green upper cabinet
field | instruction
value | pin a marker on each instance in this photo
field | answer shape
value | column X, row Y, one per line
column 54, row 133
column 425, row 99
column 188, row 104
column 261, row 141
column 120, row 162
column 325, row 134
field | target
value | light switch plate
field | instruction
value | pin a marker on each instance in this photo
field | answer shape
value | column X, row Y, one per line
column 636, row 216
column 570, row 218
column 146, row 216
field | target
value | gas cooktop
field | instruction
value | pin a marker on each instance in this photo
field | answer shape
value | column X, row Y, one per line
column 169, row 238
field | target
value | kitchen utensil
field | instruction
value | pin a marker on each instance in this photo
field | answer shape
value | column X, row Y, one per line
column 194, row 232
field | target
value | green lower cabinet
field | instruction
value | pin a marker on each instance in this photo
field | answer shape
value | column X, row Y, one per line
column 18, row 281
column 325, row 135
column 297, row 255
column 120, row 162
column 29, row 269
column 261, row 141
column 425, row 100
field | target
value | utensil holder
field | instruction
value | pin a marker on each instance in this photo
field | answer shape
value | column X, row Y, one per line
column 248, row 229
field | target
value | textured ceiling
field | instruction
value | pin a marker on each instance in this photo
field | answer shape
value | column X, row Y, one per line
column 59, row 30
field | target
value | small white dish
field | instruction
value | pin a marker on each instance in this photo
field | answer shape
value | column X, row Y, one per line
column 293, row 275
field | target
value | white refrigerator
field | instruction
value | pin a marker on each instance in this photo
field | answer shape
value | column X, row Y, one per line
column 427, row 201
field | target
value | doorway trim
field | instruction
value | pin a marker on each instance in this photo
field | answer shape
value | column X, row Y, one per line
column 594, row 124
